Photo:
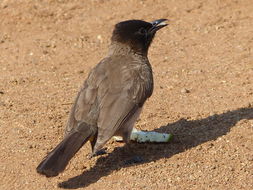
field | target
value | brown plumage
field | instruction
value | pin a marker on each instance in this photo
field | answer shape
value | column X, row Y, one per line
column 112, row 96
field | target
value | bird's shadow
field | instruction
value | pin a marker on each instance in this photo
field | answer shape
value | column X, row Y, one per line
column 187, row 134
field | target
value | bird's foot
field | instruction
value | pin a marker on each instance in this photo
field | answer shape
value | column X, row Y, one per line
column 98, row 153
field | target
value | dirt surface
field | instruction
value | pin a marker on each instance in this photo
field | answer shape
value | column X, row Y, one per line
column 203, row 71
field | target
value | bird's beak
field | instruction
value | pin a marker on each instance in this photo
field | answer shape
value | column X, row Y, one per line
column 157, row 25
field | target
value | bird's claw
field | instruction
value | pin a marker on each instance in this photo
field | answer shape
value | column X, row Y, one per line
column 98, row 153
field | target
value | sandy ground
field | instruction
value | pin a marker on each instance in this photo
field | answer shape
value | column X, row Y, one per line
column 203, row 71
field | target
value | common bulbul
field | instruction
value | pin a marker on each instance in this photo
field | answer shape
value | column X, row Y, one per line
column 112, row 96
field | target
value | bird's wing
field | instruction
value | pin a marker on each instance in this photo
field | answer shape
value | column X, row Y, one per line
column 85, row 107
column 114, row 111
column 121, row 93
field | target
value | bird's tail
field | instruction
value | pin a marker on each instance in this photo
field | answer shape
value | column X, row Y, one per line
column 57, row 160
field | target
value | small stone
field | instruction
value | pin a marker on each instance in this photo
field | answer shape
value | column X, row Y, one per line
column 1, row 92
column 165, row 58
column 100, row 39
column 184, row 90
column 45, row 52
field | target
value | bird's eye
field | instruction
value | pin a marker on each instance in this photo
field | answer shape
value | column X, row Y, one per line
column 142, row 31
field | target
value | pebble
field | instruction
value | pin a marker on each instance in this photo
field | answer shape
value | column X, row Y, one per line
column 184, row 90
column 100, row 39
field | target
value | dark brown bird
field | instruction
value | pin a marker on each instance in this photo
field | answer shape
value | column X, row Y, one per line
column 112, row 96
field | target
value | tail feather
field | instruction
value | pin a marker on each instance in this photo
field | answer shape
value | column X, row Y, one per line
column 57, row 160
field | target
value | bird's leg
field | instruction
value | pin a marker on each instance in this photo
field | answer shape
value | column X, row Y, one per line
column 95, row 152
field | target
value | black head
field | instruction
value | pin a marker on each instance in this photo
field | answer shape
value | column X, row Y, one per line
column 137, row 34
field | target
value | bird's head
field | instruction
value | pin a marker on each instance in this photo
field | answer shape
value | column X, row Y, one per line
column 137, row 34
